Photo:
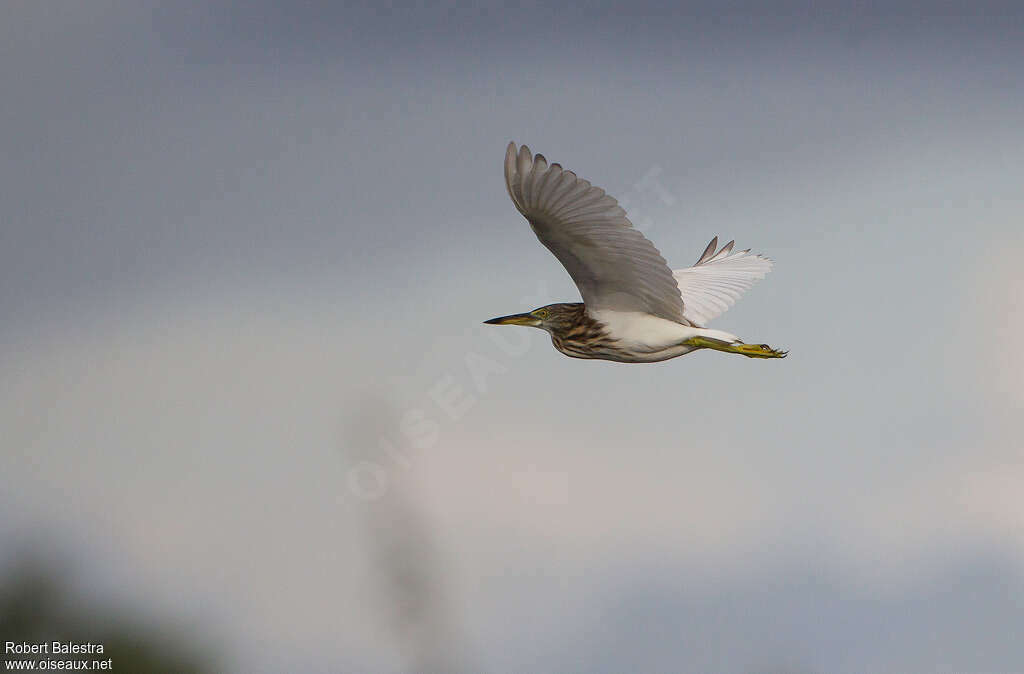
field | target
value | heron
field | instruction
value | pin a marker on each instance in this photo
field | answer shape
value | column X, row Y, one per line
column 635, row 308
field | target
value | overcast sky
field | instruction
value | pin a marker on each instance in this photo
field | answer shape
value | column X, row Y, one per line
column 245, row 253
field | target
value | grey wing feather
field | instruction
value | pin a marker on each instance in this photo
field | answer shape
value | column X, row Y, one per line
column 613, row 264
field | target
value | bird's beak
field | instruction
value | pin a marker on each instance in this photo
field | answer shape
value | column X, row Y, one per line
column 515, row 319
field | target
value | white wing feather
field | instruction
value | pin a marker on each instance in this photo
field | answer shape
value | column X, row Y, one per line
column 614, row 266
column 718, row 279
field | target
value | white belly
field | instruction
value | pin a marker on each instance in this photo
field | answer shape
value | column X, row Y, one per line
column 642, row 331
column 661, row 338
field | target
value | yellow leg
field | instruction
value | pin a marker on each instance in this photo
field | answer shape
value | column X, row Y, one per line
column 748, row 350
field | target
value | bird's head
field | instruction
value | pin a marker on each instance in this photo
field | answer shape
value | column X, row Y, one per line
column 555, row 318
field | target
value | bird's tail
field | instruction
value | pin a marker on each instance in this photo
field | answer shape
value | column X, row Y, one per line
column 718, row 335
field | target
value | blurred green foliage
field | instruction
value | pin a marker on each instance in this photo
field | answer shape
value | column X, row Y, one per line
column 37, row 606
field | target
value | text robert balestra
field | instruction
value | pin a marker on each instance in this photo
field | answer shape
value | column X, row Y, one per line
column 52, row 648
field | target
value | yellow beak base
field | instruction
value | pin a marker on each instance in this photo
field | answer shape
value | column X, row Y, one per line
column 515, row 319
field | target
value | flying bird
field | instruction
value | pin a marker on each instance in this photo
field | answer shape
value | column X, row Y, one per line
column 635, row 308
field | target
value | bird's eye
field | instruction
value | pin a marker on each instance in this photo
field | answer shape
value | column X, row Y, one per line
column 541, row 313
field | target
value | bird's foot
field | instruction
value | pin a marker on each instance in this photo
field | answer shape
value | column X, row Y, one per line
column 748, row 350
column 759, row 351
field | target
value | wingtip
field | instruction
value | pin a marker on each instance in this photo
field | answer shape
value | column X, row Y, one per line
column 524, row 160
column 709, row 251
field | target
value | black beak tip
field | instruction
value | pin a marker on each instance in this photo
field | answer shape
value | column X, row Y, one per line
column 492, row 321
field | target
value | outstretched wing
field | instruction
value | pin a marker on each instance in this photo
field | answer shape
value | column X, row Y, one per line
column 717, row 280
column 614, row 265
